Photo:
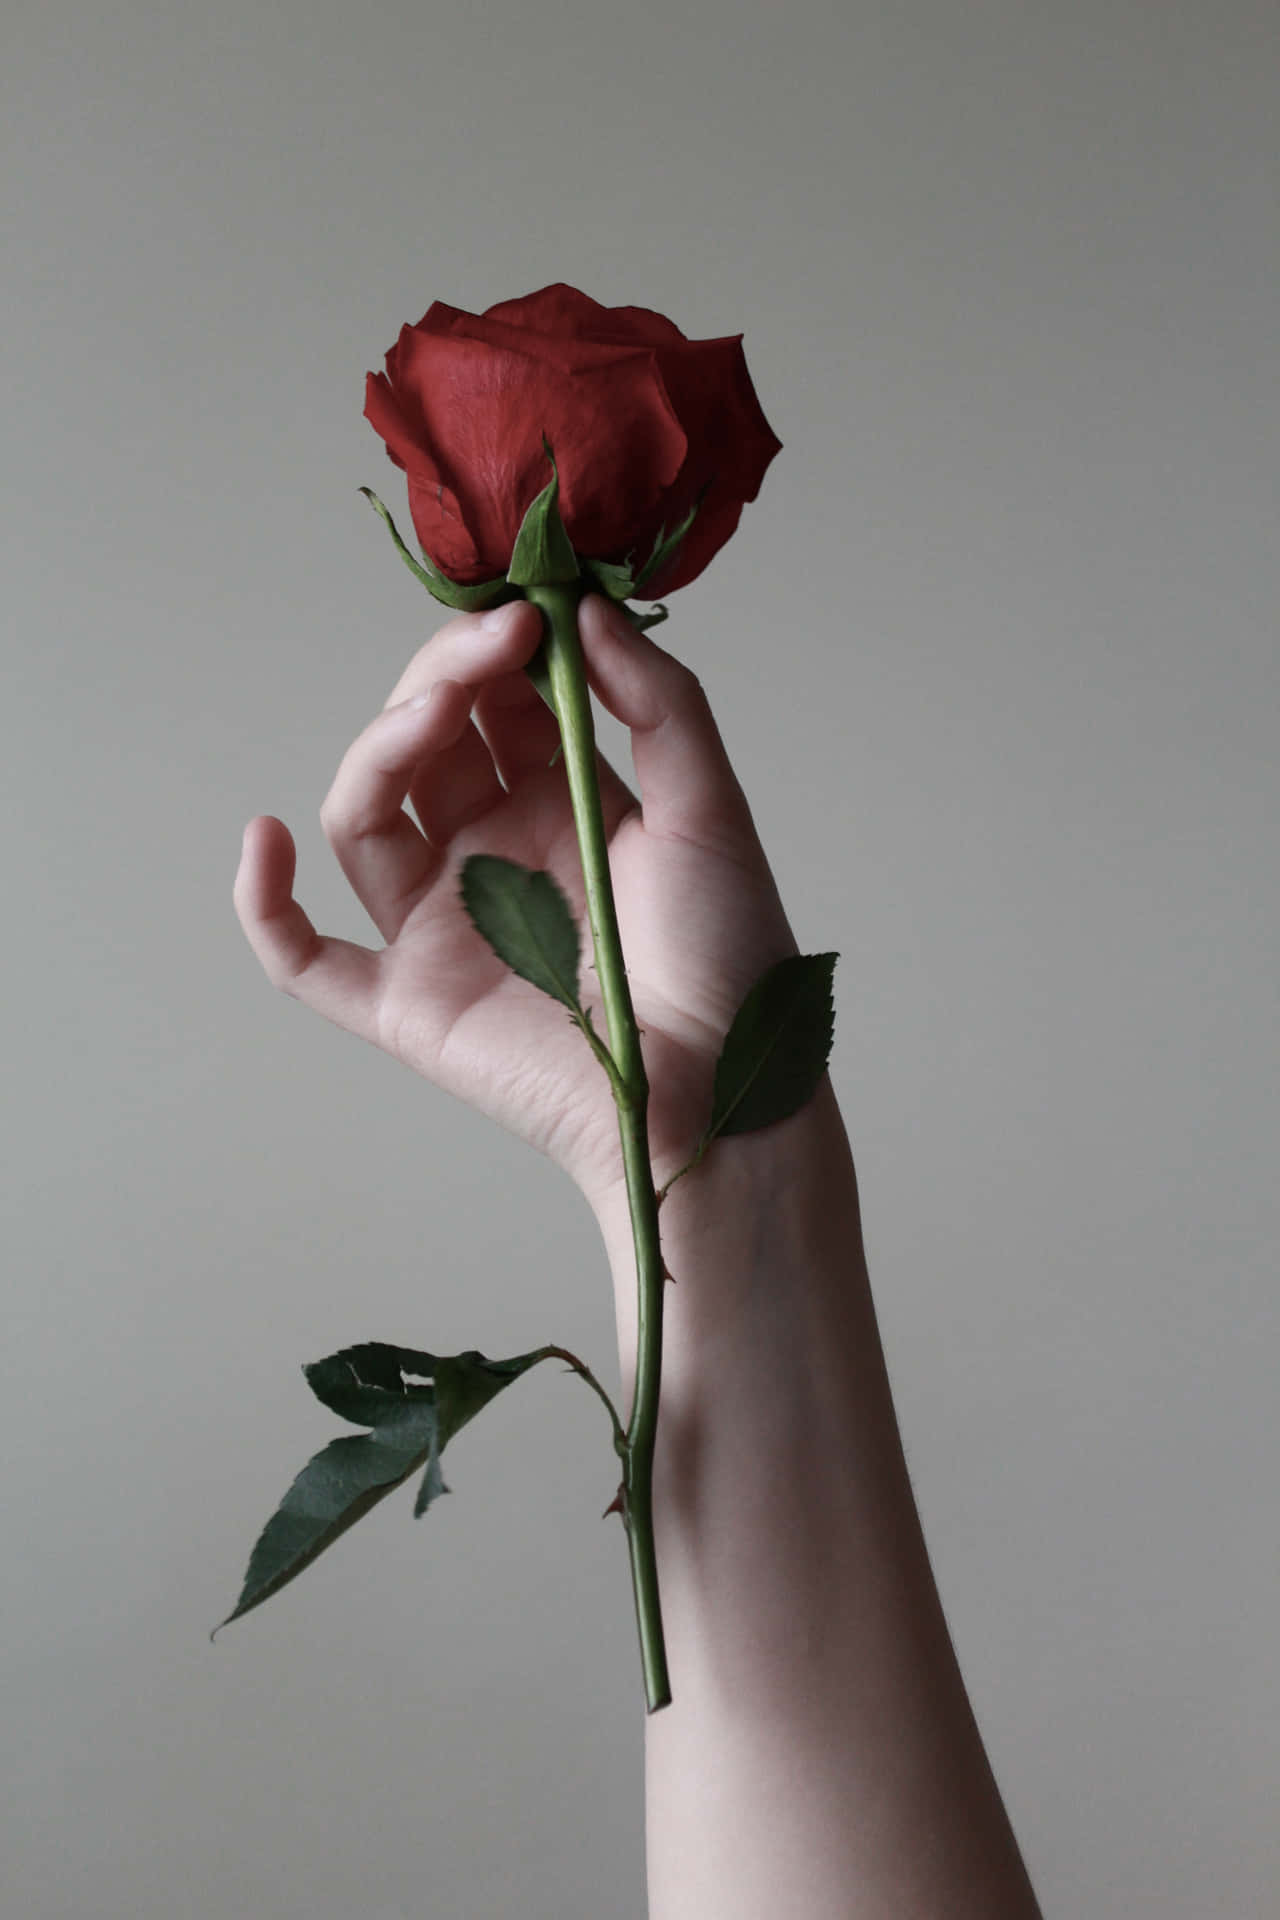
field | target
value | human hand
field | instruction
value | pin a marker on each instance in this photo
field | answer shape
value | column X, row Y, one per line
column 465, row 739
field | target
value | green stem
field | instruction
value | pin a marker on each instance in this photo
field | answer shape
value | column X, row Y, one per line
column 584, row 1372
column 699, row 1155
column 568, row 675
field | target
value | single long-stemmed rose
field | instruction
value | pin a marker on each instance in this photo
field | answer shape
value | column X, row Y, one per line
column 553, row 447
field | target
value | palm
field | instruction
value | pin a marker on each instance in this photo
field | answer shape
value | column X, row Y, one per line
column 697, row 925
column 465, row 741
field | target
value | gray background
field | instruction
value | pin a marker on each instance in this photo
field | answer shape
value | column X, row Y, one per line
column 996, row 656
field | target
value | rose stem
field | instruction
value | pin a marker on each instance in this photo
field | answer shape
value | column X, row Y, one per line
column 568, row 673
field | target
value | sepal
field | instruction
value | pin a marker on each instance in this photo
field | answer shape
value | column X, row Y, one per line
column 643, row 621
column 619, row 578
column 664, row 547
column 543, row 555
column 450, row 593
column 613, row 577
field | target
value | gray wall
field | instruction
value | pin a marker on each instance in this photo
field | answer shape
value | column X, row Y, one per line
column 996, row 654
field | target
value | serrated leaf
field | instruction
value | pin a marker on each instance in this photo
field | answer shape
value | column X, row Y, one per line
column 450, row 593
column 777, row 1048
column 464, row 1386
column 337, row 1487
column 372, row 1384
column 543, row 555
column 526, row 920
column 415, row 1403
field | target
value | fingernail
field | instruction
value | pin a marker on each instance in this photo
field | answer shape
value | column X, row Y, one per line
column 497, row 617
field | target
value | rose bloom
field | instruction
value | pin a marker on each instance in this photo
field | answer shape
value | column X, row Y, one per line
column 640, row 420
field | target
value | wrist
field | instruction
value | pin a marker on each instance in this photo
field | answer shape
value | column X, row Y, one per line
column 767, row 1215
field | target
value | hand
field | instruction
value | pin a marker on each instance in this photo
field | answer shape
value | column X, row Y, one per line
column 467, row 741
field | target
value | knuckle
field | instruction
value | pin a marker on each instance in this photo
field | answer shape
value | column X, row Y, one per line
column 335, row 817
column 278, row 964
column 285, row 973
column 415, row 672
column 685, row 688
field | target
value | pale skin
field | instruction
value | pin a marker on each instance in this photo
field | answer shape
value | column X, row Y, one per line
column 820, row 1758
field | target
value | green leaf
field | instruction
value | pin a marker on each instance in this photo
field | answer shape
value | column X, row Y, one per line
column 414, row 1403
column 371, row 1385
column 526, row 920
column 543, row 555
column 777, row 1048
column 489, row 593
column 337, row 1487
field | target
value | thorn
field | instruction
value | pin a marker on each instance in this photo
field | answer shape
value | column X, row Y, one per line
column 617, row 1504
column 667, row 1273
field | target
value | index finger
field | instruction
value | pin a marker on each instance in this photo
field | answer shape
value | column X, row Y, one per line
column 473, row 649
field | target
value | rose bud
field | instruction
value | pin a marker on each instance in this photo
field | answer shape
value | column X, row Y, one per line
column 652, row 435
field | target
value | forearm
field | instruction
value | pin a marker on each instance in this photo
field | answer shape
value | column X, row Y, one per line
column 820, row 1757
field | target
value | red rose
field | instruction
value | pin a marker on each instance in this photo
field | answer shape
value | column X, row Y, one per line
column 639, row 419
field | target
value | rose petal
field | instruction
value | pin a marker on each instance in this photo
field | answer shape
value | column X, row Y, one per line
column 617, row 442
column 564, row 312
column 643, row 422
column 432, row 504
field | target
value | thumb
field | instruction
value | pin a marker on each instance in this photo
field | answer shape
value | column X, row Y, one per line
column 687, row 784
